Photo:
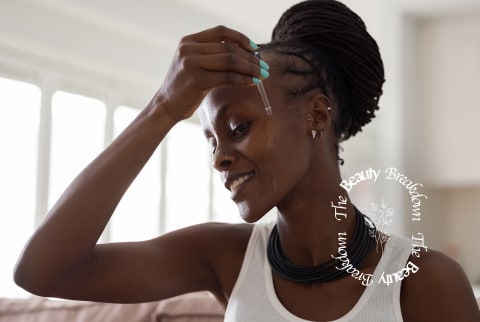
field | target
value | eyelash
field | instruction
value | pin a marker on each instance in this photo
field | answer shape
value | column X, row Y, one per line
column 238, row 131
column 214, row 148
column 241, row 129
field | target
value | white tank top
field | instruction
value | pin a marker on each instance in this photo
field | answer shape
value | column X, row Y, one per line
column 253, row 297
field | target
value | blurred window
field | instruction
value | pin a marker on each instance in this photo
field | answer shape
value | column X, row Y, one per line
column 176, row 188
column 19, row 126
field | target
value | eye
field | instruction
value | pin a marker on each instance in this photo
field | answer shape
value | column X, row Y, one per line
column 212, row 143
column 241, row 129
column 213, row 146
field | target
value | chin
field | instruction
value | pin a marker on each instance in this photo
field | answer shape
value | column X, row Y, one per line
column 250, row 213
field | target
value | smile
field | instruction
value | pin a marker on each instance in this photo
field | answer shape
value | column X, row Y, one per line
column 237, row 182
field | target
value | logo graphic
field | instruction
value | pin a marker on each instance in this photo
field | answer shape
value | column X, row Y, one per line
column 381, row 215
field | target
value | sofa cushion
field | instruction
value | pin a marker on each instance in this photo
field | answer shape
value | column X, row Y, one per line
column 45, row 310
column 189, row 307
column 192, row 307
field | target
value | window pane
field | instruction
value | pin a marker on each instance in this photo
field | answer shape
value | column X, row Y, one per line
column 19, row 124
column 187, row 177
column 78, row 132
column 137, row 216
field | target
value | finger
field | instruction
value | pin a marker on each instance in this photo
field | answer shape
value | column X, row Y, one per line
column 226, row 63
column 221, row 56
column 218, row 79
column 189, row 49
column 222, row 33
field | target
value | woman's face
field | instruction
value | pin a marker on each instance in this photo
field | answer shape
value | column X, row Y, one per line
column 262, row 159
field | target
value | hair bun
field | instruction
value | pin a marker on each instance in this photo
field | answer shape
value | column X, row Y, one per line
column 332, row 29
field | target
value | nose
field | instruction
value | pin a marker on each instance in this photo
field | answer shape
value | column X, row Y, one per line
column 222, row 160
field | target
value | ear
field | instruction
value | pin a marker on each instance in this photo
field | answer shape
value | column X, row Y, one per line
column 320, row 111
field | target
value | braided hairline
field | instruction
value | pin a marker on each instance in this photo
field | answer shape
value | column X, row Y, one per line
column 318, row 71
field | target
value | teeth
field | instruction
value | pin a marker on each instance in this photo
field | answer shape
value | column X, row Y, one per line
column 240, row 180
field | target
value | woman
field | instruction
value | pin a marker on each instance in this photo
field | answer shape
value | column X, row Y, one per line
column 323, row 75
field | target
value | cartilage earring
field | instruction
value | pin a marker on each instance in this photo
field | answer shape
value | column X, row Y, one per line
column 314, row 133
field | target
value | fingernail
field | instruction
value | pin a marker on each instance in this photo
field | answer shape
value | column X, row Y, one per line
column 264, row 73
column 253, row 44
column 255, row 80
column 264, row 65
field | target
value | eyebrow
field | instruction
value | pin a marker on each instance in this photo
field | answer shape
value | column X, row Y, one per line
column 223, row 110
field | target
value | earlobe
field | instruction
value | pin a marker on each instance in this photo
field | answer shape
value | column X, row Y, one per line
column 314, row 134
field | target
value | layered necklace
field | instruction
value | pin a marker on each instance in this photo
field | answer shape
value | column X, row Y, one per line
column 361, row 244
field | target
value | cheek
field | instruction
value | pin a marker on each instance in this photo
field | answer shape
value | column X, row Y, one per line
column 280, row 164
column 286, row 160
column 291, row 161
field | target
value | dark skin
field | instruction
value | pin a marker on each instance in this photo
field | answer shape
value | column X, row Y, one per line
column 283, row 165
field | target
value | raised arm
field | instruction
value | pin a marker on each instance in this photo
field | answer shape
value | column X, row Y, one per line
column 62, row 258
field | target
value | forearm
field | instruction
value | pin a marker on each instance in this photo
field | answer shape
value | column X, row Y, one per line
column 73, row 226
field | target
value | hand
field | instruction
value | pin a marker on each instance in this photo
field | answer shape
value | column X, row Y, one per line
column 212, row 58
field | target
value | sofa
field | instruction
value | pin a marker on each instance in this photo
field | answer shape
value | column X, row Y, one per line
column 192, row 307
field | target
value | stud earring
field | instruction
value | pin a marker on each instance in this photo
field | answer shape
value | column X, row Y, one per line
column 314, row 133
column 329, row 109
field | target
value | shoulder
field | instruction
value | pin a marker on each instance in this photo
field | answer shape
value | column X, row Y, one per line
column 212, row 233
column 438, row 291
column 223, row 235
column 209, row 241
column 222, row 247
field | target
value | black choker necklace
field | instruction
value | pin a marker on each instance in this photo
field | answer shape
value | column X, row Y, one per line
column 360, row 246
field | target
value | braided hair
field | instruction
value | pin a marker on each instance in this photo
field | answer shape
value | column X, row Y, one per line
column 329, row 48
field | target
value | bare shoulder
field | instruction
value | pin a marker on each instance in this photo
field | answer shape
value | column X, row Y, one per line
column 222, row 230
column 217, row 239
column 438, row 291
column 228, row 244
column 214, row 243
column 209, row 240
column 213, row 233
column 220, row 246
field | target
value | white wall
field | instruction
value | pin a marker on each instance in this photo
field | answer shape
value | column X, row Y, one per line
column 443, row 131
column 448, row 106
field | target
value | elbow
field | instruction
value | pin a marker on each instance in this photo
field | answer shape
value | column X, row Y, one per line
column 23, row 280
column 31, row 281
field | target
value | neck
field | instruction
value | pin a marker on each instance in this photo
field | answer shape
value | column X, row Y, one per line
column 310, row 221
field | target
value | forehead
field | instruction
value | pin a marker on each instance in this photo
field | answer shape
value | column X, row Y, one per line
column 220, row 100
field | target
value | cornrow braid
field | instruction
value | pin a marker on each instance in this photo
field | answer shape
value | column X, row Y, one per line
column 344, row 59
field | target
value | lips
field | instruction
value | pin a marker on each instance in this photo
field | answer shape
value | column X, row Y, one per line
column 235, row 182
